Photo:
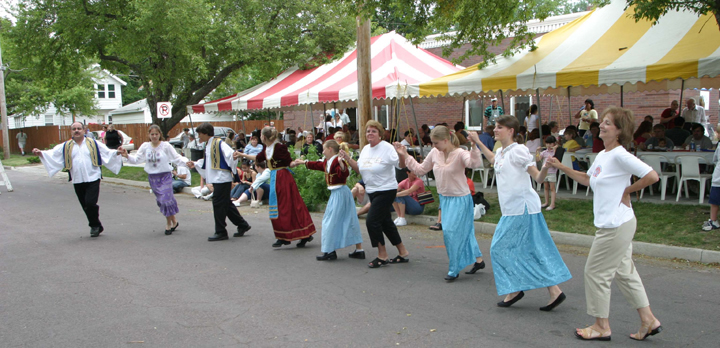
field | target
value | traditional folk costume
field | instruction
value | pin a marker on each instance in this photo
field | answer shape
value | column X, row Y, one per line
column 288, row 213
column 524, row 256
column 456, row 203
column 83, row 161
column 340, row 226
column 219, row 172
column 158, row 166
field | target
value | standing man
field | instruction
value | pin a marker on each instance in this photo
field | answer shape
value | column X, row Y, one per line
column 82, row 157
column 695, row 114
column 185, row 138
column 218, row 168
column 22, row 140
column 669, row 115
column 344, row 117
column 493, row 112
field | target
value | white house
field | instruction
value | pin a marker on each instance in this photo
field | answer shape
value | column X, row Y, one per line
column 108, row 97
column 139, row 112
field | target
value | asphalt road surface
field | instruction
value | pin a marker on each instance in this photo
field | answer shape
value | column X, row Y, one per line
column 134, row 286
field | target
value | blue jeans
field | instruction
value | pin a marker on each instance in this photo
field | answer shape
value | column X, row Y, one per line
column 178, row 185
column 238, row 190
column 412, row 207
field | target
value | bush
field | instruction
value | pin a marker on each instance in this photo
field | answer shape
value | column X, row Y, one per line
column 33, row 159
column 311, row 183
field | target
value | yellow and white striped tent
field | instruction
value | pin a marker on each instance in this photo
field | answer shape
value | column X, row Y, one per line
column 597, row 54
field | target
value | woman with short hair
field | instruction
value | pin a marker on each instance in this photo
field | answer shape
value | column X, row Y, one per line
column 610, row 255
column 376, row 165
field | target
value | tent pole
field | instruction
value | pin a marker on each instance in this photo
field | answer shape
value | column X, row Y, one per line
column 324, row 116
column 462, row 115
column 502, row 101
column 537, row 95
column 622, row 100
column 550, row 114
column 569, row 107
column 482, row 113
column 682, row 89
column 242, row 118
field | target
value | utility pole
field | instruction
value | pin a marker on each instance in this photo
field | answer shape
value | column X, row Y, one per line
column 364, row 70
column 3, row 111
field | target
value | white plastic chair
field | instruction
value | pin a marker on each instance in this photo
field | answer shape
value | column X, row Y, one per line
column 484, row 173
column 655, row 161
column 590, row 159
column 566, row 161
column 691, row 171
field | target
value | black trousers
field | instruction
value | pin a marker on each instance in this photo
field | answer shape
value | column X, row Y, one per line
column 88, row 193
column 222, row 208
column 379, row 220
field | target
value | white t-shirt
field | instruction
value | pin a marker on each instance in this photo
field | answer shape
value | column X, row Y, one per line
column 532, row 122
column 609, row 175
column 377, row 167
column 183, row 170
column 515, row 188
column 716, row 173
column 405, row 143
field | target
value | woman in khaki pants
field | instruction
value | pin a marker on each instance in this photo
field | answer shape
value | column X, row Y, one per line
column 611, row 252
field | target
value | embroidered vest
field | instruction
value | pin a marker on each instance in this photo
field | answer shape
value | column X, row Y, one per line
column 217, row 160
column 92, row 146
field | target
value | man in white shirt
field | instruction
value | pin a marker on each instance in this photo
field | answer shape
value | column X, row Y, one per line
column 695, row 114
column 218, row 168
column 344, row 117
column 182, row 179
column 82, row 158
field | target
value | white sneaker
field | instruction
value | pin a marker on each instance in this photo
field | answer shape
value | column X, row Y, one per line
column 400, row 222
column 236, row 203
column 151, row 191
column 208, row 197
column 710, row 225
column 396, row 220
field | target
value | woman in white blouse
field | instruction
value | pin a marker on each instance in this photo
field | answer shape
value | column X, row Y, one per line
column 523, row 254
column 158, row 156
column 611, row 252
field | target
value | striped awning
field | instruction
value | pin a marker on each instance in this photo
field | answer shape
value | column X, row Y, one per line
column 598, row 53
column 395, row 64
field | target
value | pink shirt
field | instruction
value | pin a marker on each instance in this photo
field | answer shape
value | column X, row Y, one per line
column 548, row 154
column 406, row 184
column 449, row 172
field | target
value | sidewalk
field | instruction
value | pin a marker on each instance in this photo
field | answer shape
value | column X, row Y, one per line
column 639, row 248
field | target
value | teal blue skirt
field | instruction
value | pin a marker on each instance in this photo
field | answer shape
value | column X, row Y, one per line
column 459, row 232
column 524, row 256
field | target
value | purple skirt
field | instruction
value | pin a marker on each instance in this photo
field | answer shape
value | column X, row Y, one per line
column 161, row 185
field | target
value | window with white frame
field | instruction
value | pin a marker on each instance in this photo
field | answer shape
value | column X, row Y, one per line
column 474, row 112
column 48, row 120
column 100, row 91
column 111, row 91
column 18, row 122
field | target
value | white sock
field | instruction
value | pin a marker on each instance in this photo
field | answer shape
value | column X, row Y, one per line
column 358, row 250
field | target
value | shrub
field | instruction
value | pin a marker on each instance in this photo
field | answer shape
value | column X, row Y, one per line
column 33, row 159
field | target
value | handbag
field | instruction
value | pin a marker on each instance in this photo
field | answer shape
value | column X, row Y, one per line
column 426, row 197
column 254, row 203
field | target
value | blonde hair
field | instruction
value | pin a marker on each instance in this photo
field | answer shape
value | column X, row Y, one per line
column 333, row 145
column 623, row 119
column 157, row 128
column 443, row 133
column 270, row 134
column 342, row 136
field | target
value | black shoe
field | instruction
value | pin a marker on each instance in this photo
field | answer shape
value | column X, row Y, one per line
column 476, row 267
column 555, row 303
column 216, row 237
column 436, row 227
column 95, row 231
column 241, row 231
column 357, row 255
column 451, row 278
column 168, row 232
column 302, row 242
column 280, row 243
column 175, row 228
column 327, row 256
column 511, row 302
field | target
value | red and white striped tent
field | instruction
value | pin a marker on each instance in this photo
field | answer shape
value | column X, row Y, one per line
column 395, row 64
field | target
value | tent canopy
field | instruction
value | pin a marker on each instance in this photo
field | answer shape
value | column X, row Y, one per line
column 597, row 54
column 395, row 64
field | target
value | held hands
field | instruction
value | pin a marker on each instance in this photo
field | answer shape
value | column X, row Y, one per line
column 552, row 162
column 190, row 164
column 122, row 152
column 237, row 154
column 400, row 148
column 473, row 136
column 344, row 155
column 37, row 152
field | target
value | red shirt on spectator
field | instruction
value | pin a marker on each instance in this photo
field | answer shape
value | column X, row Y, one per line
column 471, row 184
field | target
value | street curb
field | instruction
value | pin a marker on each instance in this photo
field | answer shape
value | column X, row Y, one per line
column 574, row 239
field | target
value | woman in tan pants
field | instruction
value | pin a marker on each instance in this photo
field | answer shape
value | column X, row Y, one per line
column 611, row 252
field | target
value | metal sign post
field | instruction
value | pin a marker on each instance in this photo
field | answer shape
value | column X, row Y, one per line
column 5, row 180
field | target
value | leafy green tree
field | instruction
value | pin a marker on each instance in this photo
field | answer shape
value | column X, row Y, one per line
column 653, row 9
column 180, row 50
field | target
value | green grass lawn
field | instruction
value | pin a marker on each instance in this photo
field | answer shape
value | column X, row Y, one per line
column 668, row 224
column 17, row 160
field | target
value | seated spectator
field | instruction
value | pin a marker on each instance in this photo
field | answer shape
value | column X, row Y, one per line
column 460, row 133
column 578, row 139
column 358, row 192
column 259, row 185
column 643, row 133
column 426, row 134
column 310, row 145
column 570, row 135
column 653, row 143
column 698, row 138
column 649, row 118
column 677, row 134
column 438, row 225
column 246, row 177
column 592, row 138
column 229, row 139
column 488, row 137
column 533, row 142
column 407, row 140
column 554, row 130
column 240, row 141
column 203, row 191
column 331, row 134
column 406, row 200
column 254, row 147
column 354, row 135
column 182, row 178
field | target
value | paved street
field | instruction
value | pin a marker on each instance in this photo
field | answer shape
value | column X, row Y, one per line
column 134, row 286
